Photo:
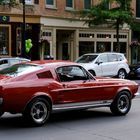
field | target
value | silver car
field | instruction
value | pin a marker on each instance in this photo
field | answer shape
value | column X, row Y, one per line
column 105, row 64
column 8, row 61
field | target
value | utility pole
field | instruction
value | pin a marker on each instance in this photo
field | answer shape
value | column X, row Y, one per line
column 23, row 31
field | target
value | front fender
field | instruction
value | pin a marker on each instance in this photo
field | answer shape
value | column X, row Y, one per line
column 123, row 89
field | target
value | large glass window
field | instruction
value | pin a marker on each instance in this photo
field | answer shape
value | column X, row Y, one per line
column 86, row 47
column 87, row 4
column 106, row 5
column 137, row 8
column 69, row 3
column 4, row 40
column 103, row 47
column 50, row 3
column 121, row 49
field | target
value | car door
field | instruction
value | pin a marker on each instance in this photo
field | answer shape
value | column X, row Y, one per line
column 113, row 64
column 103, row 64
column 79, row 86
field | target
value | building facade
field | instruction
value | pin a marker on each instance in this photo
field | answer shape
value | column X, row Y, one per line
column 55, row 30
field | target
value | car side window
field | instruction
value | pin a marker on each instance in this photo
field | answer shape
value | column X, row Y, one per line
column 103, row 58
column 120, row 57
column 14, row 61
column 45, row 74
column 3, row 62
column 71, row 73
column 112, row 57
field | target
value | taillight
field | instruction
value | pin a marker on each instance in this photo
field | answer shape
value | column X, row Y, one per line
column 126, row 61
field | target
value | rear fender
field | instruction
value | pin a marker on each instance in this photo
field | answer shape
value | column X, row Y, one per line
column 39, row 94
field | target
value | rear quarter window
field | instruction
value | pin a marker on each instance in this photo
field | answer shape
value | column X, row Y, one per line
column 46, row 74
column 120, row 57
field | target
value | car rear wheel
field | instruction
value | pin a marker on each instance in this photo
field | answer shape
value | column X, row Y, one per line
column 121, row 74
column 92, row 72
column 38, row 111
column 122, row 104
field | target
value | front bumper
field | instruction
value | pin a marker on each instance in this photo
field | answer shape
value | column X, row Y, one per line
column 1, row 101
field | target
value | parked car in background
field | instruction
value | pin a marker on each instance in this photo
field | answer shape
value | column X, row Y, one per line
column 105, row 64
column 134, row 71
column 8, row 61
column 38, row 88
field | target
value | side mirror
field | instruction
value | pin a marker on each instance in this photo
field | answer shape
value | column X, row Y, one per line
column 98, row 62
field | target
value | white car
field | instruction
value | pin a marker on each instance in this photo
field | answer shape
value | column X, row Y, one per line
column 105, row 64
column 8, row 61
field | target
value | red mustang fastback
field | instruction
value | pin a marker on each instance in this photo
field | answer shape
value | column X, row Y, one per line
column 38, row 88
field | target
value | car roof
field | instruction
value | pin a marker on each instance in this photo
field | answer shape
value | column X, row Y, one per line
column 52, row 63
column 103, row 53
column 11, row 58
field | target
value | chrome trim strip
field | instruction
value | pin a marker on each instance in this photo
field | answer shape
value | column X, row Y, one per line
column 137, row 94
column 1, row 101
column 80, row 105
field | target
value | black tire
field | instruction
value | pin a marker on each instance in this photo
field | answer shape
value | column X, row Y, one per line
column 121, row 74
column 1, row 113
column 122, row 104
column 92, row 72
column 37, row 112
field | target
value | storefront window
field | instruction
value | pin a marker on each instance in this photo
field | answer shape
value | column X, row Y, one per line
column 135, row 52
column 4, row 40
column 121, row 49
column 86, row 47
column 46, row 49
column 103, row 47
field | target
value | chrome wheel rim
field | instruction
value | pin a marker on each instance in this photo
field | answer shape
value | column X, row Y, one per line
column 123, row 103
column 121, row 74
column 39, row 112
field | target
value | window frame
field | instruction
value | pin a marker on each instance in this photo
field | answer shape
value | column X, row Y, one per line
column 85, row 4
column 137, row 9
column 29, row 2
column 69, row 8
column 51, row 6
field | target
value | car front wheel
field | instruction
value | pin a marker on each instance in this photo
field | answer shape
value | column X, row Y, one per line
column 38, row 111
column 122, row 104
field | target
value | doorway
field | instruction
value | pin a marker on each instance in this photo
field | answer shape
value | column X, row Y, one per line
column 65, row 51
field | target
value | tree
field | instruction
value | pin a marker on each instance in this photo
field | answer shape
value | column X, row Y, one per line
column 11, row 3
column 116, row 17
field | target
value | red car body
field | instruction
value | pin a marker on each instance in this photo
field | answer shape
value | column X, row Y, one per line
column 17, row 93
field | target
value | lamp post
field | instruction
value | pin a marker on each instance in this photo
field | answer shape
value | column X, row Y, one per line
column 23, row 31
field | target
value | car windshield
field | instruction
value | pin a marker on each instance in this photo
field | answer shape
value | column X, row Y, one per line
column 19, row 69
column 86, row 58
